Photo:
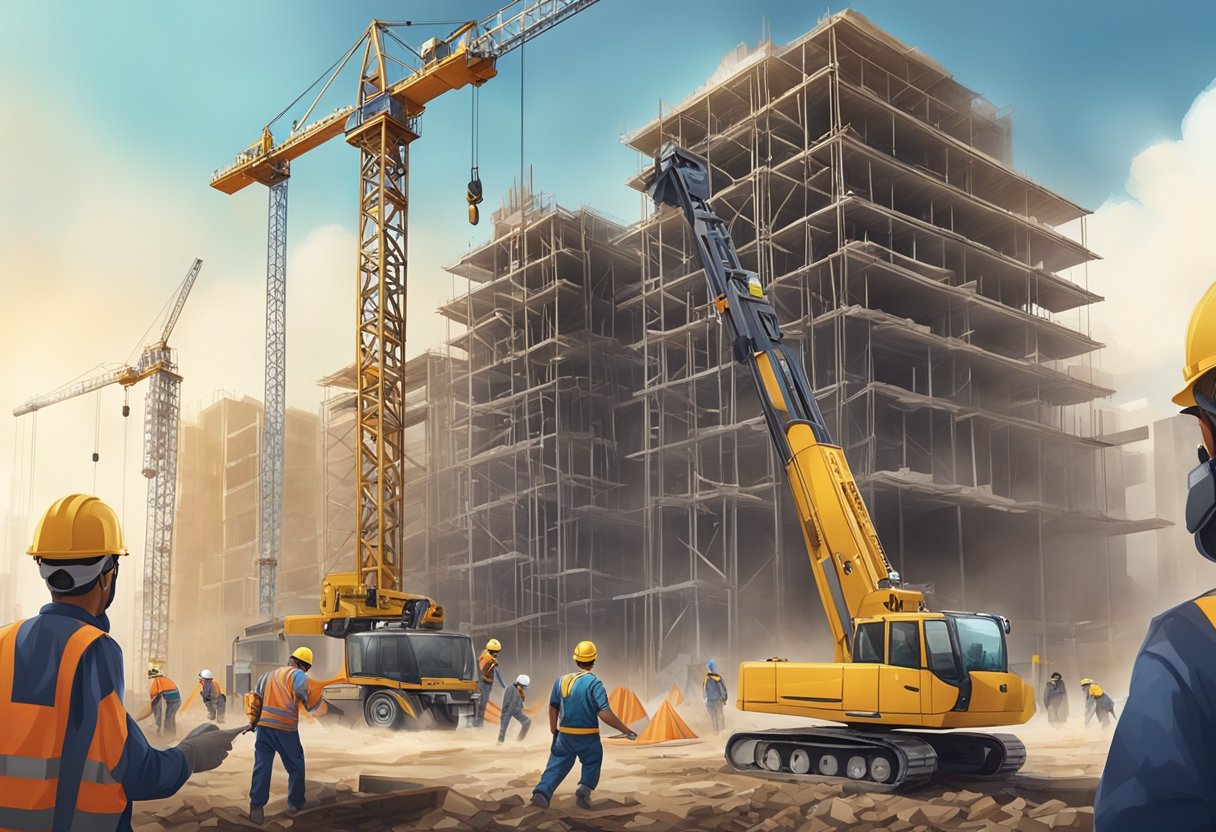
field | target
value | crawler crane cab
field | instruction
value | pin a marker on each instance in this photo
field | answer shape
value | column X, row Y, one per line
column 897, row 664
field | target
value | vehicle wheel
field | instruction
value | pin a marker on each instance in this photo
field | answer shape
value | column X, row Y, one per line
column 381, row 710
column 447, row 717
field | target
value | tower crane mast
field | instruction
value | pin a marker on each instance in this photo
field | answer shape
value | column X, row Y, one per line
column 162, row 409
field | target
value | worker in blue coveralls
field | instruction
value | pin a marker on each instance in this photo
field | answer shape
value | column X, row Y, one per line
column 70, row 755
column 1161, row 769
column 576, row 706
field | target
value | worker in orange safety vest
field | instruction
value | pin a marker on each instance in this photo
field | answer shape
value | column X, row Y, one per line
column 282, row 693
column 70, row 756
column 166, row 699
column 487, row 674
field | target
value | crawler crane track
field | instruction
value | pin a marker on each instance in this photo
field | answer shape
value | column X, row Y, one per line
column 888, row 760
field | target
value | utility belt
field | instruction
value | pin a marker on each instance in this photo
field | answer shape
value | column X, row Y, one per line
column 565, row 729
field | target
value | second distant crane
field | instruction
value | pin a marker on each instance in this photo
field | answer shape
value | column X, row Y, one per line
column 162, row 408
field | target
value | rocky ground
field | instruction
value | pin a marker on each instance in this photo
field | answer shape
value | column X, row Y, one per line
column 463, row 780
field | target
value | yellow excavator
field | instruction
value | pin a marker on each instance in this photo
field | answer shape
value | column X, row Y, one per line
column 897, row 664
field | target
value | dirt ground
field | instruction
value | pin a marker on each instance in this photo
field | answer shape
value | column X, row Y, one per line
column 480, row 785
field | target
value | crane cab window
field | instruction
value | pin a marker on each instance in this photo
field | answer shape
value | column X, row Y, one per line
column 938, row 649
column 905, row 644
column 981, row 643
column 868, row 643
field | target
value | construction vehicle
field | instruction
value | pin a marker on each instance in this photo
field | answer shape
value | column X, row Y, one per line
column 161, row 417
column 897, row 664
column 368, row 607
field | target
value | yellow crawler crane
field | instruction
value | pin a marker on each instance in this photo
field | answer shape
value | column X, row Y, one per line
column 897, row 665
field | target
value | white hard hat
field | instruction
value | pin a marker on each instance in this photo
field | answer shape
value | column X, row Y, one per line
column 523, row 679
column 204, row 674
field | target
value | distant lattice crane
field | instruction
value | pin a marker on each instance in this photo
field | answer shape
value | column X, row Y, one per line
column 161, row 419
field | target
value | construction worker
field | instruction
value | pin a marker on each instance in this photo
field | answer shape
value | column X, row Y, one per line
column 1161, row 767
column 714, row 690
column 1090, row 703
column 166, row 699
column 70, row 755
column 513, row 707
column 576, row 706
column 212, row 695
column 1055, row 700
column 487, row 674
column 1104, row 706
column 281, row 694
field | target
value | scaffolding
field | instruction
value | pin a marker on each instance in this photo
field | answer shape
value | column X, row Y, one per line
column 919, row 276
column 551, row 538
column 591, row 463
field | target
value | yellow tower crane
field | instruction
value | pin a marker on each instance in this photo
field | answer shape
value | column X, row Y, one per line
column 392, row 93
column 161, row 418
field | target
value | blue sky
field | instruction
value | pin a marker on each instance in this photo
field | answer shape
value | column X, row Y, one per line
column 1090, row 83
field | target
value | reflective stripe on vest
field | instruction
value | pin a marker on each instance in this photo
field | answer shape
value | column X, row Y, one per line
column 280, row 709
column 30, row 754
column 567, row 688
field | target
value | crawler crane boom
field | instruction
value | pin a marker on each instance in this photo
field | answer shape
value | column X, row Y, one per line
column 897, row 665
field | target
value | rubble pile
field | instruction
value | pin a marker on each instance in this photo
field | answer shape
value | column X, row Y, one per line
column 463, row 781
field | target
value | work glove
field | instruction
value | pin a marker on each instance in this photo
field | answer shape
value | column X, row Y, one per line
column 206, row 746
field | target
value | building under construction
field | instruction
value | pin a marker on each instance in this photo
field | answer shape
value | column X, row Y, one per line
column 601, row 464
column 215, row 589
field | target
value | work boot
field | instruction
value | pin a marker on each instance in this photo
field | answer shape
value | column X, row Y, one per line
column 292, row 811
column 540, row 800
column 256, row 814
column 582, row 797
column 523, row 732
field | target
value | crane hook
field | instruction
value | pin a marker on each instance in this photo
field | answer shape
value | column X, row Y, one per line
column 474, row 196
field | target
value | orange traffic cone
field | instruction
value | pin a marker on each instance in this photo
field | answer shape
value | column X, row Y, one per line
column 626, row 705
column 666, row 726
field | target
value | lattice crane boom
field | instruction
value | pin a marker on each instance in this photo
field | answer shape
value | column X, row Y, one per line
column 161, row 422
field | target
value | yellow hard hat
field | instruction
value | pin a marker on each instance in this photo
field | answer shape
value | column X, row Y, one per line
column 585, row 652
column 493, row 646
column 1200, row 347
column 77, row 526
column 153, row 670
column 304, row 654
column 1095, row 691
column 1086, row 681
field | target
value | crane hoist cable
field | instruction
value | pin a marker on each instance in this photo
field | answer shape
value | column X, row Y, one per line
column 96, row 437
column 473, row 193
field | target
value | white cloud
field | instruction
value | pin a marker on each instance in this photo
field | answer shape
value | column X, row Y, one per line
column 1159, row 256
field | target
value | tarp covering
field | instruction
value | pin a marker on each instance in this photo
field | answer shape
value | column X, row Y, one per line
column 626, row 705
column 675, row 696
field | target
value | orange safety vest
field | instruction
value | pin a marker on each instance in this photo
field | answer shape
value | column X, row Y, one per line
column 160, row 685
column 280, row 706
column 219, row 691
column 486, row 664
column 32, row 742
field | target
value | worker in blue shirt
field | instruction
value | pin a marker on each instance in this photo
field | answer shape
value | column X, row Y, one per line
column 1161, row 769
column 576, row 706
column 71, row 756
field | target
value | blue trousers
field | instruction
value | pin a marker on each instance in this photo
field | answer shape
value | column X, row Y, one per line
column 287, row 745
column 586, row 748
